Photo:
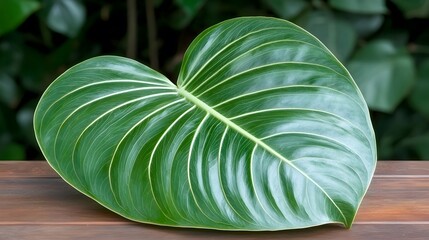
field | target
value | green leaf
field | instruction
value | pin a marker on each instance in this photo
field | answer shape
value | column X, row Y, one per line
column 393, row 128
column 338, row 35
column 384, row 73
column 190, row 6
column 33, row 69
column 24, row 119
column 419, row 97
column 12, row 151
column 9, row 92
column 65, row 16
column 266, row 130
column 14, row 12
column 286, row 9
column 4, row 128
column 398, row 37
column 414, row 8
column 364, row 24
column 188, row 9
column 11, row 55
column 418, row 144
column 360, row 6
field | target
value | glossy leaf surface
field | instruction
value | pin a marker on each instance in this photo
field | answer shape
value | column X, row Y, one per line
column 265, row 130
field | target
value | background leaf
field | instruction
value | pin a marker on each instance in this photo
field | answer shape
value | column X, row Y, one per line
column 265, row 130
column 384, row 73
column 65, row 16
column 11, row 56
column 287, row 9
column 4, row 131
column 24, row 118
column 419, row 98
column 33, row 68
column 190, row 6
column 364, row 24
column 14, row 12
column 187, row 11
column 9, row 93
column 419, row 144
column 360, row 6
column 337, row 34
column 12, row 151
column 415, row 8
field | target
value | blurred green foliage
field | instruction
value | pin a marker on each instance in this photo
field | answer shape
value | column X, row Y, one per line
column 384, row 44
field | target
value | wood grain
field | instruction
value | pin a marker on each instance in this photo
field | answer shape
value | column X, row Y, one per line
column 35, row 203
column 118, row 232
column 25, row 169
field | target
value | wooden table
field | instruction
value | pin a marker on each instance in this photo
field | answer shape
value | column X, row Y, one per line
column 36, row 204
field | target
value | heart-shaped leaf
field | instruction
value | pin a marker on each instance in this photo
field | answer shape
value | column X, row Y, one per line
column 266, row 130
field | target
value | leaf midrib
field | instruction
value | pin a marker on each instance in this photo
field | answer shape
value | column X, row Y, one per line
column 188, row 96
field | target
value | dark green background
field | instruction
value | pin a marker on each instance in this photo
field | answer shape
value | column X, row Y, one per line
column 384, row 44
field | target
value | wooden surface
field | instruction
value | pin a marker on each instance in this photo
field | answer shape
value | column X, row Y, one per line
column 36, row 204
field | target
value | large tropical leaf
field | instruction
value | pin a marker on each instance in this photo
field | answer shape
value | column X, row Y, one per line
column 265, row 130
